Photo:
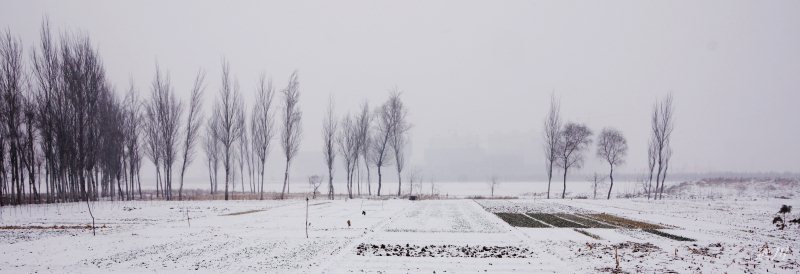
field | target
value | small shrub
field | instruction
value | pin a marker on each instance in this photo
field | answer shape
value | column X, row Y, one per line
column 780, row 222
column 785, row 209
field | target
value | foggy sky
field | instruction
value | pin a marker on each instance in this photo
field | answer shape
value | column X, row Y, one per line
column 477, row 75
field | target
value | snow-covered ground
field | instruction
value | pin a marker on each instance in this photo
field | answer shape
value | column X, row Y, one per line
column 393, row 235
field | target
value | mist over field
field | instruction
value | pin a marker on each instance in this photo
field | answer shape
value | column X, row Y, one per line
column 477, row 77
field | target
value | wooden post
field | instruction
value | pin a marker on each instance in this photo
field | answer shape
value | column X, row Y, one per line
column 90, row 214
column 306, row 217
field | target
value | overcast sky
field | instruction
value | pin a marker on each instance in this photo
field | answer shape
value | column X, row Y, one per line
column 477, row 75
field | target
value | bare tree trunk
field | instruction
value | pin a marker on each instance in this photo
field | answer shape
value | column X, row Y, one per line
column 649, row 184
column 306, row 218
column 285, row 181
column 261, row 181
column 369, row 185
column 210, row 178
column 658, row 181
column 549, row 178
column 380, row 179
column 330, row 183
column 564, row 191
column 227, row 180
column 180, row 190
column 664, row 178
column 610, row 176
column 358, row 172
column 139, row 181
column 158, row 180
column 91, row 215
column 399, row 183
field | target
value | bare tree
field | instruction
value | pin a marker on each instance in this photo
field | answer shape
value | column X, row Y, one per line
column 12, row 83
column 398, row 150
column 64, row 124
column 399, row 131
column 314, row 181
column 153, row 142
column 29, row 155
column 661, row 131
column 228, row 126
column 414, row 181
column 596, row 181
column 347, row 140
column 243, row 151
column 292, row 128
column 193, row 123
column 133, row 124
column 263, row 127
column 574, row 139
column 381, row 140
column 329, row 131
column 46, row 71
column 652, row 157
column 612, row 147
column 552, row 131
column 211, row 149
column 166, row 110
column 364, row 120
column 493, row 184
column 666, row 156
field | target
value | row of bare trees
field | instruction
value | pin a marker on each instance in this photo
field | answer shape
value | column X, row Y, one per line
column 64, row 124
column 370, row 138
column 659, row 150
column 564, row 146
column 234, row 137
column 64, row 130
column 65, row 134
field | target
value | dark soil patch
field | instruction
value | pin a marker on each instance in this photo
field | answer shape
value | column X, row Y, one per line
column 587, row 233
column 243, row 212
column 443, row 251
column 667, row 235
column 712, row 250
column 636, row 247
column 10, row 227
column 584, row 221
column 622, row 222
column 519, row 220
column 611, row 270
column 554, row 220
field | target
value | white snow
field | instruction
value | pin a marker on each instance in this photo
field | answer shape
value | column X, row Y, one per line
column 269, row 236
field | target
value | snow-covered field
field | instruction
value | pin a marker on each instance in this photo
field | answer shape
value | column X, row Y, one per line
column 394, row 235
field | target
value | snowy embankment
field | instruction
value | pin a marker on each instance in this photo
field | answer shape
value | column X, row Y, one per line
column 400, row 236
